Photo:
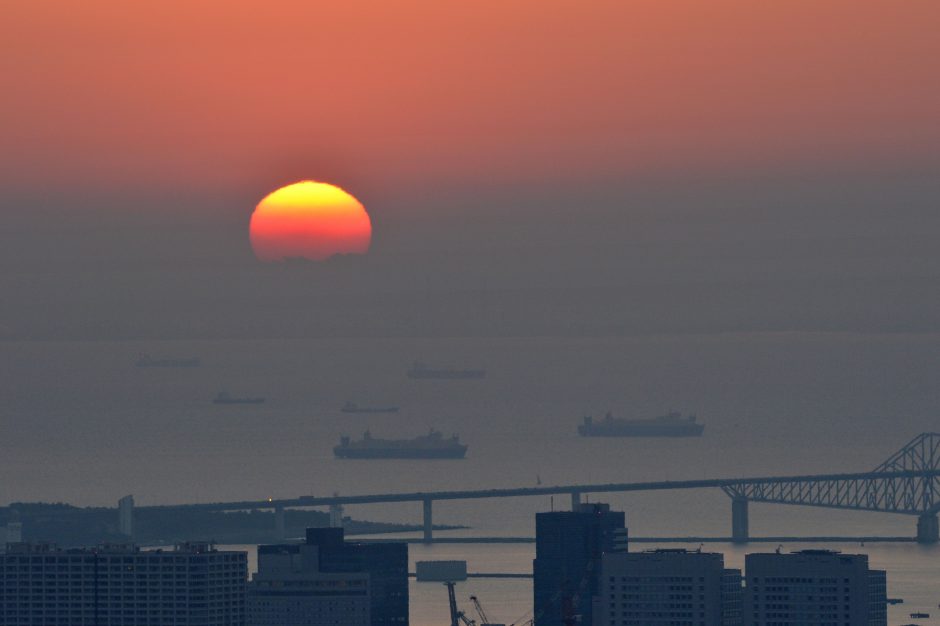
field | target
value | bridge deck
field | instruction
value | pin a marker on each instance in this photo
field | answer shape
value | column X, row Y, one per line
column 515, row 492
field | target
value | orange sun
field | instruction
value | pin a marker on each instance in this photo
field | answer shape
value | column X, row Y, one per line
column 309, row 220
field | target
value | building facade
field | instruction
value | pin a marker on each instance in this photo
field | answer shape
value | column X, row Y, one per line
column 667, row 588
column 290, row 590
column 732, row 597
column 327, row 580
column 121, row 585
column 818, row 587
column 569, row 546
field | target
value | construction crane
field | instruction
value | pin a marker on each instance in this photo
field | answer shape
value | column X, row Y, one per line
column 485, row 621
column 479, row 608
column 457, row 616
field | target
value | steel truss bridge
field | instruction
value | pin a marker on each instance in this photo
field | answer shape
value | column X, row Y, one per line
column 908, row 483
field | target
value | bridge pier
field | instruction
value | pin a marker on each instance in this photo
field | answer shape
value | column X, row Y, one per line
column 280, row 530
column 928, row 528
column 126, row 516
column 336, row 516
column 575, row 500
column 428, row 522
column 739, row 529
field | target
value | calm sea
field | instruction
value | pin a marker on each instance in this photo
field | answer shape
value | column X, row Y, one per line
column 79, row 423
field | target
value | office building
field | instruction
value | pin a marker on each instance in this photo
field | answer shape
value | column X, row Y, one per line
column 327, row 580
column 568, row 550
column 819, row 587
column 121, row 585
column 290, row 590
column 667, row 588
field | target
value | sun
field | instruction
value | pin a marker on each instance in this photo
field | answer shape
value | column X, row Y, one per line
column 309, row 220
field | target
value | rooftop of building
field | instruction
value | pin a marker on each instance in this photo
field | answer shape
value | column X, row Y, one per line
column 189, row 547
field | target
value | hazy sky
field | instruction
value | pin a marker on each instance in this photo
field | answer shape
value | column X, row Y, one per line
column 523, row 144
column 180, row 93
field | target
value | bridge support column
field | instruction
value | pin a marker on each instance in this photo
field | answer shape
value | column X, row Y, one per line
column 575, row 500
column 126, row 516
column 336, row 516
column 428, row 522
column 280, row 530
column 928, row 528
column 739, row 529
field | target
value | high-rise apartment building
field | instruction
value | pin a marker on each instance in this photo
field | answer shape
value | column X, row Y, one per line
column 121, row 585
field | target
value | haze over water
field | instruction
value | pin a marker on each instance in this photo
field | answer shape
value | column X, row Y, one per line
column 84, row 425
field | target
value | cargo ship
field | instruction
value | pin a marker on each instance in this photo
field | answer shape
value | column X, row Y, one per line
column 672, row 424
column 430, row 446
column 352, row 407
column 146, row 360
column 224, row 397
column 421, row 370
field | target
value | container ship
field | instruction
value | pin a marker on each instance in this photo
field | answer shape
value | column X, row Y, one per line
column 352, row 407
column 430, row 446
column 146, row 360
column 224, row 397
column 421, row 370
column 672, row 424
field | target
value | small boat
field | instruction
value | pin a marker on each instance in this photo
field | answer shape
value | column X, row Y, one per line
column 920, row 615
column 224, row 397
column 352, row 407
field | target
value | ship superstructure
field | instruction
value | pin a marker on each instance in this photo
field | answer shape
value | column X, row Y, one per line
column 423, row 370
column 352, row 407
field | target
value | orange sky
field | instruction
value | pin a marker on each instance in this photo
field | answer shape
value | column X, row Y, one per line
column 193, row 93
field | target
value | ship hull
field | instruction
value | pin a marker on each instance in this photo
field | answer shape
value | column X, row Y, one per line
column 457, row 452
column 447, row 374
column 181, row 363
column 641, row 430
column 391, row 409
